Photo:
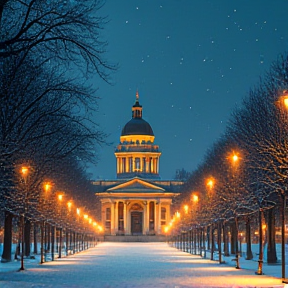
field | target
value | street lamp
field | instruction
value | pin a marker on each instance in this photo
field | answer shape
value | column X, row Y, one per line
column 69, row 204
column 186, row 209
column 283, row 101
column 210, row 183
column 24, row 171
column 47, row 186
column 195, row 198
column 234, row 159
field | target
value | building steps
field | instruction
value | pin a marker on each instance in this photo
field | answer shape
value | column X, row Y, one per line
column 135, row 238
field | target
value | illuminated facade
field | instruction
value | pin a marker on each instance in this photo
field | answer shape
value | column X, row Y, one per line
column 137, row 202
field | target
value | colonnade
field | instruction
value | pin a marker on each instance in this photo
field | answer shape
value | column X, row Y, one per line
column 154, row 214
column 137, row 163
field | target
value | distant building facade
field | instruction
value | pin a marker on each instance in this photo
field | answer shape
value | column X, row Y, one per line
column 138, row 202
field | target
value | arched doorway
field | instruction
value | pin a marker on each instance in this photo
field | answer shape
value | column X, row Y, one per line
column 136, row 219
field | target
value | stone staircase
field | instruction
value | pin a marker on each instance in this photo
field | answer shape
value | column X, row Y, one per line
column 135, row 238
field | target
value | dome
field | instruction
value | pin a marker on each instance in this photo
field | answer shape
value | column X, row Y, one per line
column 137, row 126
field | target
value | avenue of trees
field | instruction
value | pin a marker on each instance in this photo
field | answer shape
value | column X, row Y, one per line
column 242, row 181
column 48, row 51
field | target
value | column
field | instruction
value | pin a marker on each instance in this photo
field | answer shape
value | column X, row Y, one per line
column 112, row 219
column 127, row 164
column 159, row 218
column 125, row 217
column 103, row 215
column 120, row 165
column 155, row 217
column 142, row 164
column 147, row 165
column 128, row 218
column 157, row 165
column 116, row 217
column 133, row 164
column 147, row 216
column 168, row 214
column 117, row 164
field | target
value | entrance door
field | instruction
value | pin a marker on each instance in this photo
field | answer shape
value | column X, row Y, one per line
column 136, row 223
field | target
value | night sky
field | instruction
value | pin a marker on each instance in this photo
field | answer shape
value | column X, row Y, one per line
column 192, row 62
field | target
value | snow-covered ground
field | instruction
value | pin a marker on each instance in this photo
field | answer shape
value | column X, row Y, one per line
column 133, row 265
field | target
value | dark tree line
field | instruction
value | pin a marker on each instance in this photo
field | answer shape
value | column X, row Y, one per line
column 48, row 50
column 248, row 165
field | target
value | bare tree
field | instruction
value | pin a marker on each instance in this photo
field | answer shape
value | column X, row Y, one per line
column 62, row 31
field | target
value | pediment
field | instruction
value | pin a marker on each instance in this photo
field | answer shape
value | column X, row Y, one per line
column 135, row 185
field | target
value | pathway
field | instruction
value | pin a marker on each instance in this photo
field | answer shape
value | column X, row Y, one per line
column 133, row 265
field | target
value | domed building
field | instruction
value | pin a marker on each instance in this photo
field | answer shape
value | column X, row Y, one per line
column 138, row 202
column 136, row 154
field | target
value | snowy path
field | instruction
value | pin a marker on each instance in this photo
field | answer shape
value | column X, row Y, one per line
column 134, row 265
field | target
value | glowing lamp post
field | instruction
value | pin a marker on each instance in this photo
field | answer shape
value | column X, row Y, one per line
column 186, row 209
column 210, row 183
column 24, row 172
column 46, row 187
column 283, row 100
column 69, row 204
column 195, row 198
column 234, row 161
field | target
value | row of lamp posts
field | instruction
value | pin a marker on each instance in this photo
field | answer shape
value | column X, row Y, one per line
column 88, row 223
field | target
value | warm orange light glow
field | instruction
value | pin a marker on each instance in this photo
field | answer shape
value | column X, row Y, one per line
column 94, row 223
column 24, row 171
column 166, row 229
column 60, row 197
column 210, row 183
column 177, row 214
column 90, row 220
column 283, row 99
column 235, row 158
column 100, row 228
column 78, row 211
column 69, row 204
column 47, row 186
column 186, row 208
column 264, row 226
column 195, row 198
column 85, row 216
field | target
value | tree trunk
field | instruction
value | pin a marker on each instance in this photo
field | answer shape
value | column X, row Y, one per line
column 6, row 255
column 249, row 254
column 233, row 238
column 60, row 243
column 67, row 242
column 219, row 241
column 35, row 237
column 212, row 242
column 52, row 242
column 208, row 237
column 236, row 231
column 226, row 242
column 271, row 248
column 260, row 260
column 27, row 231
column 42, row 241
